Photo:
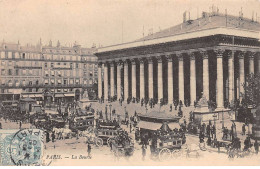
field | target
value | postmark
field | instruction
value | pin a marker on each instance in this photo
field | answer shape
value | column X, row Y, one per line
column 23, row 147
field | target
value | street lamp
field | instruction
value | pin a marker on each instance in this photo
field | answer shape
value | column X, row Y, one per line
column 215, row 116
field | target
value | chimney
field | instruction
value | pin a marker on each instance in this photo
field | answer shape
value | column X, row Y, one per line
column 184, row 17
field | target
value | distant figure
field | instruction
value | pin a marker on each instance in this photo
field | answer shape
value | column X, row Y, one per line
column 0, row 125
column 130, row 127
column 53, row 136
column 143, row 152
column 47, row 137
column 20, row 125
column 89, row 150
column 243, row 129
column 256, row 145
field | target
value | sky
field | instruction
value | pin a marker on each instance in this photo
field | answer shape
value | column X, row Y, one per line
column 103, row 22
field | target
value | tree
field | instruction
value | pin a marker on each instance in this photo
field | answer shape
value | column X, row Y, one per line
column 252, row 90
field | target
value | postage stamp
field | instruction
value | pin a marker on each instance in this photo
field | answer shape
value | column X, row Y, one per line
column 21, row 147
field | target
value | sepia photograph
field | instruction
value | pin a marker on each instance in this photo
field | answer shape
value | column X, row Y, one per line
column 129, row 82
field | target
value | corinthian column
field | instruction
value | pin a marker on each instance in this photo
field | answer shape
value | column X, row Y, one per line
column 133, row 78
column 142, row 91
column 170, row 80
column 125, row 80
column 119, row 66
column 205, row 72
column 150, row 77
column 192, row 79
column 231, row 76
column 99, row 80
column 160, row 78
column 112, row 80
column 181, row 78
column 251, row 62
column 241, row 73
column 220, row 91
column 106, row 81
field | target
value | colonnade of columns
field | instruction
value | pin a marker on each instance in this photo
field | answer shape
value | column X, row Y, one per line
column 147, row 68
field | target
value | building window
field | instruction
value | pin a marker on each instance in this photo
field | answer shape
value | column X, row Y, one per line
column 58, row 63
column 37, row 82
column 77, row 65
column 46, row 64
column 71, row 65
column 37, row 89
column 65, row 64
column 6, row 54
column 51, row 64
column 13, row 55
column 65, row 82
column 3, row 72
column 10, row 72
column 23, row 57
column 30, row 89
column 30, row 83
column 17, row 72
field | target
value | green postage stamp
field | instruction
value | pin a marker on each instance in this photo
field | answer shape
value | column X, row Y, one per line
column 21, row 147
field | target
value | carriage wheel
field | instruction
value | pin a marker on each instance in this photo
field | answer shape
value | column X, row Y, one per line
column 176, row 153
column 99, row 142
column 90, row 129
column 164, row 154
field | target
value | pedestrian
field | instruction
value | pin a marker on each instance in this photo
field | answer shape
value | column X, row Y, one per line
column 143, row 152
column 89, row 150
column 256, row 145
column 130, row 127
column 47, row 137
column 20, row 125
column 170, row 107
column 243, row 129
column 53, row 136
column 0, row 125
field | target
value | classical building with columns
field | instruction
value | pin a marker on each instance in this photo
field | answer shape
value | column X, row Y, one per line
column 210, row 55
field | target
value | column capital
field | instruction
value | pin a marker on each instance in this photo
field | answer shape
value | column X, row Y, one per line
column 204, row 54
column 133, row 62
column 219, row 52
column 169, row 57
column 125, row 61
column 192, row 55
column 111, row 63
column 251, row 55
column 150, row 60
column 159, row 59
column 119, row 62
column 100, row 64
column 180, row 56
column 241, row 54
column 229, row 54
column 141, row 60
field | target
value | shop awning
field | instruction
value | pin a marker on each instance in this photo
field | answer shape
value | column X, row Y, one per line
column 69, row 94
column 59, row 95
column 149, row 125
column 174, row 125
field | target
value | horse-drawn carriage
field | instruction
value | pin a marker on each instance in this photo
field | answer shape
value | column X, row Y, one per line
column 106, row 130
column 164, row 134
column 122, row 145
column 82, row 121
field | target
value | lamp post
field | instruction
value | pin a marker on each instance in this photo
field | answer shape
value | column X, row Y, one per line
column 215, row 116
